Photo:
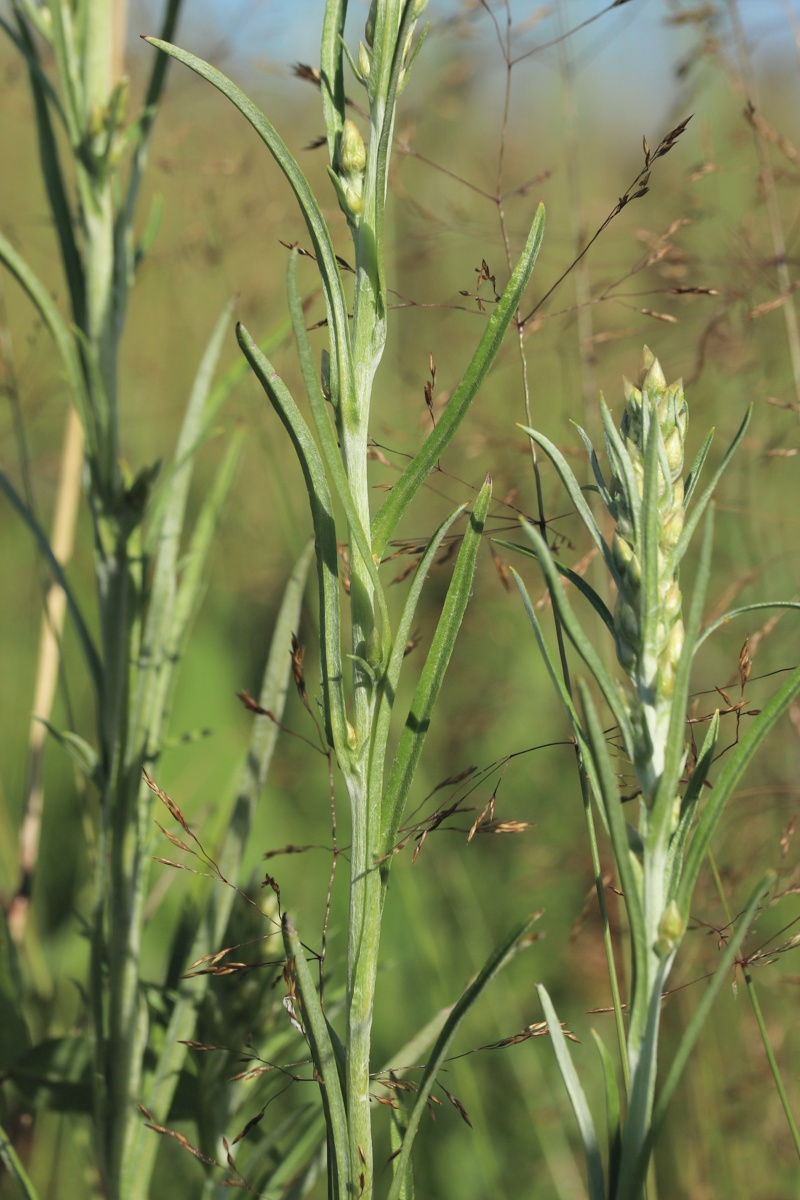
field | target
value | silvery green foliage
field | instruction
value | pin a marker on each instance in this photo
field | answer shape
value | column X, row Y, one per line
column 655, row 637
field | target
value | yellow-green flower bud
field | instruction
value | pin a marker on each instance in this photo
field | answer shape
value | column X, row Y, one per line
column 353, row 154
column 670, row 930
column 364, row 61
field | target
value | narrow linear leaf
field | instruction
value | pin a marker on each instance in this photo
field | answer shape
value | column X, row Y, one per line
column 329, row 444
column 696, row 467
column 577, row 1097
column 613, row 1116
column 739, row 612
column 565, row 696
column 216, row 911
column 694, row 517
column 324, row 1056
column 579, row 639
column 52, row 174
column 397, row 655
column 417, row 471
column 13, row 1164
column 735, row 766
column 689, row 1040
column 500, row 956
column 616, row 824
column 324, row 534
column 315, row 222
column 595, row 465
column 575, row 492
column 64, row 342
column 689, row 803
column 622, row 467
column 91, row 657
column 419, row 718
column 577, row 581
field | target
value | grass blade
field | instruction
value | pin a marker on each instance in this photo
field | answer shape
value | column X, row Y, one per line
column 613, row 1114
column 577, row 581
column 738, row 612
column 579, row 639
column 400, row 642
column 689, row 1039
column 422, row 464
column 324, row 534
column 13, row 1164
column 575, row 492
column 500, row 956
column 324, row 1056
column 735, row 766
column 90, row 654
column 693, row 519
column 214, row 919
column 580, row 1107
column 320, row 236
column 418, row 722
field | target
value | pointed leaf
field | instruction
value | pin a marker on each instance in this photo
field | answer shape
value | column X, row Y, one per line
column 417, row 471
column 324, row 534
column 577, row 581
column 739, row 612
column 694, row 517
column 575, row 492
column 579, row 639
column 577, row 1096
column 90, row 654
column 696, row 467
column 613, row 1115
column 320, row 236
column 427, row 691
column 322, row 1051
column 500, row 956
column 735, row 765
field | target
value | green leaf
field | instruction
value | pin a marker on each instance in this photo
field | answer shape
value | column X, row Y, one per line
column 316, row 1028
column 427, row 692
column 577, row 581
column 213, row 919
column 13, row 1164
column 324, row 533
column 689, row 803
column 577, row 1096
column 499, row 957
column 613, row 1115
column 329, row 444
column 697, row 466
column 52, row 174
column 579, row 639
column 91, row 657
column 575, row 492
column 736, row 764
column 694, row 517
column 82, row 754
column 64, row 342
column 631, row 1183
column 622, row 468
column 616, row 824
column 417, row 471
column 55, row 1075
column 394, row 666
column 335, row 305
column 739, row 612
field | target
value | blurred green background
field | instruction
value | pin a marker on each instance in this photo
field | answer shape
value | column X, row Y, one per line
column 690, row 269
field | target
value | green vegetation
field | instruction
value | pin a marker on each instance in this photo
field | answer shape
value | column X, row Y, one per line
column 250, row 931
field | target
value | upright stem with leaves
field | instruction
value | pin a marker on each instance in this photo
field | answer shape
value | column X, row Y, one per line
column 148, row 573
column 358, row 704
column 658, row 862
